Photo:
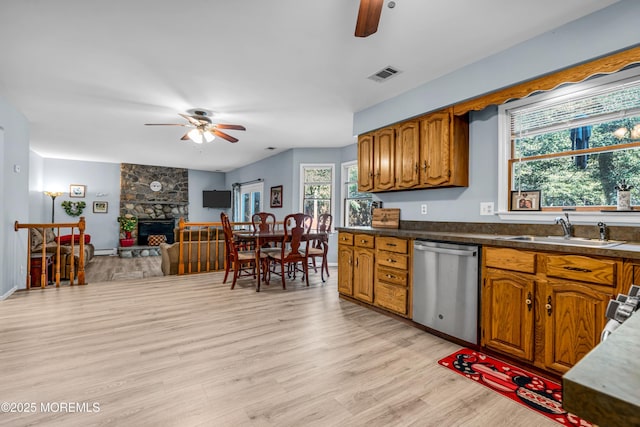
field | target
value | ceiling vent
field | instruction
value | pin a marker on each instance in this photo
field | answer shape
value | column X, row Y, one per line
column 385, row 74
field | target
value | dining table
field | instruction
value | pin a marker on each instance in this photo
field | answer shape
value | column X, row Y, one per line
column 260, row 238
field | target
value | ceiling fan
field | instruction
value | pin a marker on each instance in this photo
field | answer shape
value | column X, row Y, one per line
column 368, row 17
column 203, row 128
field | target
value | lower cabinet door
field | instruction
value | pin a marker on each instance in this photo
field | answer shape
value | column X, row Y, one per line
column 363, row 274
column 345, row 270
column 574, row 317
column 508, row 315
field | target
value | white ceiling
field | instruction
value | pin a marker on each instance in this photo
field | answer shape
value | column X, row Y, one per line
column 88, row 74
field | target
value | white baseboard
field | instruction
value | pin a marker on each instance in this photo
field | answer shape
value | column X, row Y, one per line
column 8, row 293
column 110, row 251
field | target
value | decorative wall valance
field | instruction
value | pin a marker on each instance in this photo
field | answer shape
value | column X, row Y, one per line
column 605, row 65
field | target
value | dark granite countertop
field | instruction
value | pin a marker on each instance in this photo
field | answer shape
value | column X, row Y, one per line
column 630, row 249
column 604, row 386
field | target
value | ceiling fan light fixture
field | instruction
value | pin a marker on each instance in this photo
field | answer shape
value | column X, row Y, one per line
column 195, row 135
column 208, row 136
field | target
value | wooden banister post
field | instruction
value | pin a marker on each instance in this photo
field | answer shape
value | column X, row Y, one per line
column 81, row 227
column 180, row 246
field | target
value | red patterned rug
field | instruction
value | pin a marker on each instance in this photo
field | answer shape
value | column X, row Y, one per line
column 539, row 394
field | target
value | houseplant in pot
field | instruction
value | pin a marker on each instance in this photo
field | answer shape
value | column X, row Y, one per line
column 128, row 223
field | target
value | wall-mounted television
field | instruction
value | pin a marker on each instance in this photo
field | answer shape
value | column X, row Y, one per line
column 216, row 199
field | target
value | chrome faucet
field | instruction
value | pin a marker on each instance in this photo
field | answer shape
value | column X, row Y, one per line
column 567, row 228
column 603, row 230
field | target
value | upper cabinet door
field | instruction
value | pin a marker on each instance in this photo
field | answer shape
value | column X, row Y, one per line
column 435, row 149
column 365, row 162
column 384, row 159
column 407, row 155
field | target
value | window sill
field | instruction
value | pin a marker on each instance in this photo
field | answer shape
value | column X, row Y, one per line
column 626, row 217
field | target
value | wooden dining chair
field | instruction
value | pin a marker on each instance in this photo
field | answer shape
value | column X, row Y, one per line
column 294, row 246
column 242, row 261
column 319, row 247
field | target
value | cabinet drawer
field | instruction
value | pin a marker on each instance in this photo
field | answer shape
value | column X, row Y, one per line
column 510, row 259
column 584, row 269
column 392, row 244
column 364, row 240
column 393, row 260
column 345, row 239
column 391, row 297
column 391, row 276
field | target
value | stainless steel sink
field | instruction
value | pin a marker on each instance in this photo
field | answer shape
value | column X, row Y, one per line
column 571, row 241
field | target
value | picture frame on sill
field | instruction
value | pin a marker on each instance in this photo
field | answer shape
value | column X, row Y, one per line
column 525, row 200
column 100, row 207
column 77, row 190
column 276, row 197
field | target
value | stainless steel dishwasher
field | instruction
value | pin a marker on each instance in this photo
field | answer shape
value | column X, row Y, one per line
column 445, row 288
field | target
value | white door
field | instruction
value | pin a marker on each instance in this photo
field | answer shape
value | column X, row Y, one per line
column 250, row 201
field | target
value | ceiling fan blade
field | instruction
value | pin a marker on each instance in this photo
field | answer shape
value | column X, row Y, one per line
column 185, row 137
column 164, row 124
column 234, row 127
column 224, row 135
column 196, row 121
column 368, row 17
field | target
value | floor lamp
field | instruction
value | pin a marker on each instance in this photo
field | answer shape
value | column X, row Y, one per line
column 53, row 195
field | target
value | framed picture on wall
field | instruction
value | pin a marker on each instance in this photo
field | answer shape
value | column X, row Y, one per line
column 77, row 190
column 525, row 200
column 100, row 207
column 276, row 197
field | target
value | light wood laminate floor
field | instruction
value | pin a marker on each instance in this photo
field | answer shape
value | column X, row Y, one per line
column 188, row 351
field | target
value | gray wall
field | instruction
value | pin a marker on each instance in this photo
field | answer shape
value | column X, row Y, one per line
column 14, row 192
column 601, row 33
column 284, row 169
column 199, row 181
column 103, row 184
column 104, row 179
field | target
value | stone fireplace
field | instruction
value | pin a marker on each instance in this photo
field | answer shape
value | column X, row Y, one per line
column 158, row 196
column 148, row 227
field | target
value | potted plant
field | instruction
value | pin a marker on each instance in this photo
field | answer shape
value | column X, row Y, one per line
column 128, row 223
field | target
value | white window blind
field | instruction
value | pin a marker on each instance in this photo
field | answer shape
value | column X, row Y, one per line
column 608, row 103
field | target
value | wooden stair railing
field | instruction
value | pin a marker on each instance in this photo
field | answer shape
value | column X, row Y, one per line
column 197, row 232
column 80, row 226
column 192, row 234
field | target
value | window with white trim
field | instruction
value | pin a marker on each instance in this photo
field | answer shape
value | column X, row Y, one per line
column 576, row 144
column 357, row 205
column 317, row 190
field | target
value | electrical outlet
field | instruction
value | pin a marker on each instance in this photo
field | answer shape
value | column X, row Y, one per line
column 486, row 208
column 423, row 209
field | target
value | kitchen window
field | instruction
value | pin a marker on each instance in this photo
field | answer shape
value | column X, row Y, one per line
column 574, row 144
column 317, row 190
column 357, row 205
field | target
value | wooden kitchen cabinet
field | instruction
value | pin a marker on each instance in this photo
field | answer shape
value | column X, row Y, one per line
column 356, row 258
column 384, row 144
column 391, row 286
column 376, row 270
column 507, row 313
column 431, row 151
column 345, row 263
column 544, row 308
column 363, row 267
column 444, row 150
column 407, row 155
column 365, row 162
column 574, row 317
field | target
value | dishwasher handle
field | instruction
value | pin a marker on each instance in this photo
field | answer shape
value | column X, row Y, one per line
column 458, row 252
